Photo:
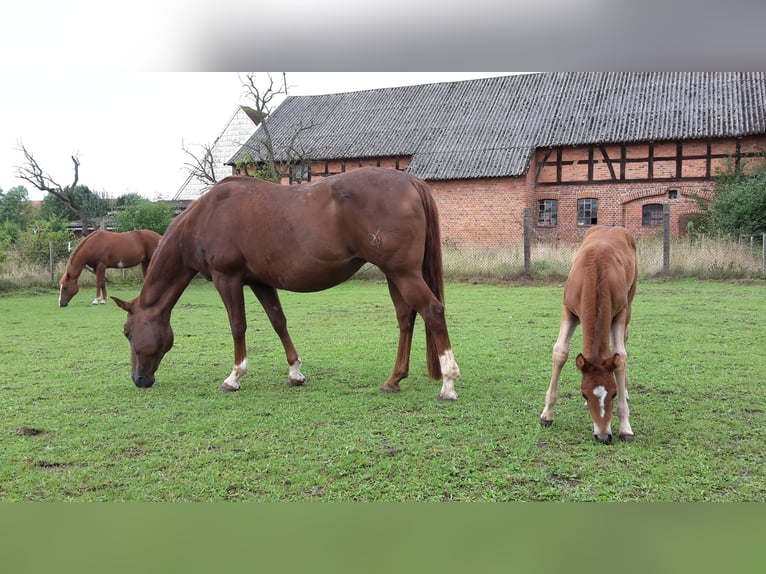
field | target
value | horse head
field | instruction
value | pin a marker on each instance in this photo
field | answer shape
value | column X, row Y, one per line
column 150, row 337
column 68, row 289
column 599, row 390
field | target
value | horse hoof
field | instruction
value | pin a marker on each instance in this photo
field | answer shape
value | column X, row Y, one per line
column 605, row 440
column 225, row 388
column 294, row 382
column 391, row 389
column 626, row 437
column 544, row 423
column 446, row 399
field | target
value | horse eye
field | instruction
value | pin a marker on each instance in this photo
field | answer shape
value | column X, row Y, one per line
column 585, row 396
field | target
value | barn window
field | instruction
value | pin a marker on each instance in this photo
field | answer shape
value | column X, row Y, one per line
column 587, row 211
column 547, row 212
column 651, row 215
column 299, row 172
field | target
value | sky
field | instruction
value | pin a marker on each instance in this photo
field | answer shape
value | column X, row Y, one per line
column 128, row 130
column 124, row 88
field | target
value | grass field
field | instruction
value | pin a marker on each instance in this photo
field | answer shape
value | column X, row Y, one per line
column 73, row 426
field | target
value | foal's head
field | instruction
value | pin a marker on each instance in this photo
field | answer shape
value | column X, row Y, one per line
column 68, row 289
column 150, row 337
column 599, row 390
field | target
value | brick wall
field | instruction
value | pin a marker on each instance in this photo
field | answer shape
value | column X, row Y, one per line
column 488, row 213
column 481, row 213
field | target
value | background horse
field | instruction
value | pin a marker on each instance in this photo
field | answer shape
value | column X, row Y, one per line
column 301, row 238
column 598, row 293
column 102, row 250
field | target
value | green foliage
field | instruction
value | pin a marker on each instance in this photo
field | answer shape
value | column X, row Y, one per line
column 739, row 207
column 14, row 206
column 94, row 205
column 128, row 200
column 141, row 213
column 34, row 245
column 9, row 232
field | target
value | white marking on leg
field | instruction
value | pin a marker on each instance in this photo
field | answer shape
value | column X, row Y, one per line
column 61, row 291
column 450, row 374
column 600, row 392
column 232, row 381
column 295, row 373
column 95, row 301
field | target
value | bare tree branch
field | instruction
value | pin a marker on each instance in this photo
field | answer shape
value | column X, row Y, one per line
column 201, row 168
column 33, row 173
column 266, row 153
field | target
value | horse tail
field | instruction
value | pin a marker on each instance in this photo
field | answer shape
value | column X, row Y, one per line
column 433, row 271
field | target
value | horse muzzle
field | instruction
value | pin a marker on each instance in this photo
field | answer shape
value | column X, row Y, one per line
column 143, row 381
column 605, row 438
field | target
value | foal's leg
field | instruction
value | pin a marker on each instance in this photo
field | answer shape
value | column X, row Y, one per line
column 233, row 298
column 417, row 295
column 569, row 322
column 405, row 316
column 619, row 333
column 269, row 299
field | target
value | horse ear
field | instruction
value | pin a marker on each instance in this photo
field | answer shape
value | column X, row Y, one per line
column 125, row 305
column 580, row 362
column 616, row 362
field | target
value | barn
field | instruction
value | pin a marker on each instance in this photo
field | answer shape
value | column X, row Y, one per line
column 571, row 149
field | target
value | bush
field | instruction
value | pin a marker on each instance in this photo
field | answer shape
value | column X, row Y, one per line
column 34, row 247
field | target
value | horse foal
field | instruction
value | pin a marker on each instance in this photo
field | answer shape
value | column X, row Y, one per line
column 598, row 294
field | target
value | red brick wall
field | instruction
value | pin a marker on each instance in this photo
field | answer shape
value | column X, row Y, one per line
column 481, row 213
column 488, row 213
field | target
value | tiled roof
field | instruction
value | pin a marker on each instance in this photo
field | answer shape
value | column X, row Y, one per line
column 490, row 127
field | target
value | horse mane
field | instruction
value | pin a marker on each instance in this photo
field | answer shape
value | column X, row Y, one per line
column 594, row 291
column 73, row 256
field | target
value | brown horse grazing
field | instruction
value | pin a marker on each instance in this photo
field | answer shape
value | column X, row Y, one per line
column 302, row 238
column 598, row 293
column 102, row 250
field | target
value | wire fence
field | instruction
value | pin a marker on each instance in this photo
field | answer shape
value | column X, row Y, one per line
column 699, row 256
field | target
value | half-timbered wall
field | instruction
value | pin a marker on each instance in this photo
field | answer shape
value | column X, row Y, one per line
column 630, row 183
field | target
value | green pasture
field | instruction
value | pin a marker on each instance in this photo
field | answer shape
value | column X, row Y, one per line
column 73, row 426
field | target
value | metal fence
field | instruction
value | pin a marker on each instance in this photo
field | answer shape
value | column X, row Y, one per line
column 692, row 256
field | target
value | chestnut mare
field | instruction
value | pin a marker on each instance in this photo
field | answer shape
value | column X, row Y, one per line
column 102, row 250
column 598, row 293
column 303, row 238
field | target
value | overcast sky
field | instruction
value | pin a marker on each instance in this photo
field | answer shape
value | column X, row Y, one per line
column 106, row 101
column 128, row 128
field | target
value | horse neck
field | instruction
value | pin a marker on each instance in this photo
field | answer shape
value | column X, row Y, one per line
column 166, row 278
column 77, row 261
column 596, row 315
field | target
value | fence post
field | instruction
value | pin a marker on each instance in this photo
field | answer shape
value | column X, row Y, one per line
column 666, row 238
column 50, row 260
column 527, row 242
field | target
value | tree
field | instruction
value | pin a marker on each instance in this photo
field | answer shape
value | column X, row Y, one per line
column 92, row 204
column 145, row 214
column 32, row 172
column 202, row 167
column 270, row 158
column 739, row 205
column 14, row 206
